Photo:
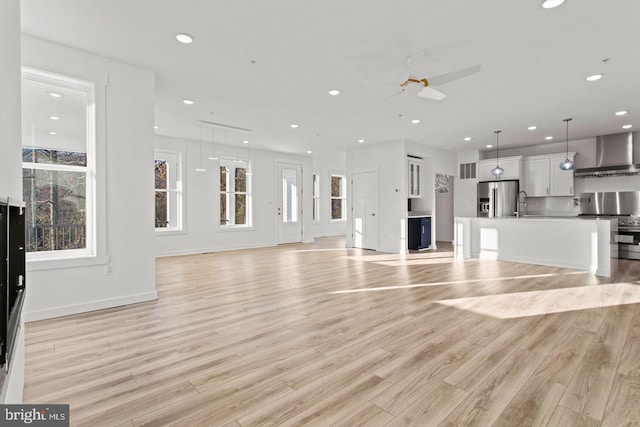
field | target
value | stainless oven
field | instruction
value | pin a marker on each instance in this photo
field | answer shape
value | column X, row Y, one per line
column 627, row 237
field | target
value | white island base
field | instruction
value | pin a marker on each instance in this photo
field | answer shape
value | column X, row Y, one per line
column 572, row 243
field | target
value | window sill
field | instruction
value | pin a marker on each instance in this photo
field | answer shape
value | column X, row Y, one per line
column 53, row 262
column 170, row 232
column 235, row 228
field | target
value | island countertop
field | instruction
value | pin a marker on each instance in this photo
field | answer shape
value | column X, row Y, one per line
column 571, row 242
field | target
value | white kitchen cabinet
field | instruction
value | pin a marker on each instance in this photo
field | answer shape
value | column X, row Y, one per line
column 543, row 176
column 536, row 172
column 415, row 179
column 561, row 181
column 512, row 168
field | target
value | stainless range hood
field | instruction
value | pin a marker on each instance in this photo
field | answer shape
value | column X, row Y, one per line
column 616, row 155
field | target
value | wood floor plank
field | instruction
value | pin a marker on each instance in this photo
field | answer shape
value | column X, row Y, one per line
column 320, row 334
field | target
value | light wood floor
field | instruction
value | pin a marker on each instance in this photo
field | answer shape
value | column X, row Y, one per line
column 316, row 334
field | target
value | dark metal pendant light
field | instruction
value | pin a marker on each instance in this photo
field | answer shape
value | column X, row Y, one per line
column 497, row 171
column 567, row 165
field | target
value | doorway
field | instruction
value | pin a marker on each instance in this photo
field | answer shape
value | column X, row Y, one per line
column 365, row 210
column 289, row 203
column 444, row 207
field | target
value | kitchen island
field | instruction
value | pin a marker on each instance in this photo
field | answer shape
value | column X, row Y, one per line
column 583, row 244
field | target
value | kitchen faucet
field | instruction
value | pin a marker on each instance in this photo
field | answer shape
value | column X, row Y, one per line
column 520, row 203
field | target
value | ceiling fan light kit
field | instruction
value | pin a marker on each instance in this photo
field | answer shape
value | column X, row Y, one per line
column 497, row 171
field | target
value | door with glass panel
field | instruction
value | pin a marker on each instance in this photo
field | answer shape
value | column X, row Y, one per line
column 289, row 203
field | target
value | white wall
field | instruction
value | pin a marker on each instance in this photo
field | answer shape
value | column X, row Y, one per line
column 464, row 203
column 326, row 165
column 125, row 178
column 389, row 160
column 202, row 232
column 11, row 159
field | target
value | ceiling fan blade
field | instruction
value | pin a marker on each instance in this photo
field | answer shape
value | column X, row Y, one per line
column 454, row 75
column 431, row 93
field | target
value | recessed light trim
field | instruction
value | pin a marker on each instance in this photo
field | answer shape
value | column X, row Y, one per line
column 155, row 127
column 245, row 141
column 532, row 128
column 594, row 77
column 467, row 138
column 293, row 126
column 54, row 118
column 548, row 138
column 184, row 38
column 55, row 94
column 489, row 145
column 201, row 170
column 309, row 151
column 415, row 121
column 550, row 4
column 334, row 92
column 622, row 113
column 627, row 126
column 360, row 141
column 188, row 101
column 52, row 132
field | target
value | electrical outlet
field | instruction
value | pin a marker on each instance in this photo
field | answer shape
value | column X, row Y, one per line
column 108, row 270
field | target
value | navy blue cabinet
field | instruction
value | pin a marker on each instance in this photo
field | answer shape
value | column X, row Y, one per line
column 419, row 233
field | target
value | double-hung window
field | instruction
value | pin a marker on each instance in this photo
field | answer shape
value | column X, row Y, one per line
column 235, row 194
column 58, row 165
column 338, row 198
column 168, row 191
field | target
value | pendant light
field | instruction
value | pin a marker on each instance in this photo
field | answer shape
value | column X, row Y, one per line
column 567, row 165
column 497, row 171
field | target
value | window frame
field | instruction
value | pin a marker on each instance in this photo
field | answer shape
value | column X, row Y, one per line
column 173, row 158
column 95, row 251
column 342, row 196
column 316, row 198
column 231, row 192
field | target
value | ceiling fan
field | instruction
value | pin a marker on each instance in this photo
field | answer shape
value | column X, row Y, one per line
column 424, row 86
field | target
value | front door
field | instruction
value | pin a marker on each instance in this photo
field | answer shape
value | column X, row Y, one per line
column 289, row 204
column 365, row 210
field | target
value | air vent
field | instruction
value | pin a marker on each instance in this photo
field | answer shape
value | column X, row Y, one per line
column 467, row 170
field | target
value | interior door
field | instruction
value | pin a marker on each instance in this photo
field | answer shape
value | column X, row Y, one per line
column 289, row 204
column 365, row 210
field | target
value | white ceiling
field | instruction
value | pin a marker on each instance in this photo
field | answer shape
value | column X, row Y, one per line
column 534, row 64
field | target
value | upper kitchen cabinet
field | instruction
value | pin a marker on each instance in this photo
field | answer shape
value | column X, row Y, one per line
column 543, row 176
column 415, row 178
column 512, row 168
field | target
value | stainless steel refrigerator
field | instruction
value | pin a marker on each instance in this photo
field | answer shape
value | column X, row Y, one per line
column 497, row 199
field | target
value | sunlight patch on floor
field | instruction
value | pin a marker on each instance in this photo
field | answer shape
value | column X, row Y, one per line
column 455, row 282
column 535, row 303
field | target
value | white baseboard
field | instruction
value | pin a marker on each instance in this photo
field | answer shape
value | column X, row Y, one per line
column 50, row 313
column 197, row 251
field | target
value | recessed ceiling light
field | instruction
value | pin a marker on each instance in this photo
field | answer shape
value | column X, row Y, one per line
column 548, row 138
column 54, row 118
column 595, row 77
column 334, row 92
column 184, row 38
column 155, row 127
column 489, row 146
column 293, row 126
column 188, row 101
column 467, row 138
column 415, row 121
column 55, row 94
column 532, row 127
column 361, row 141
column 201, row 170
column 51, row 132
column 627, row 126
column 309, row 151
column 622, row 113
column 245, row 141
column 550, row 4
